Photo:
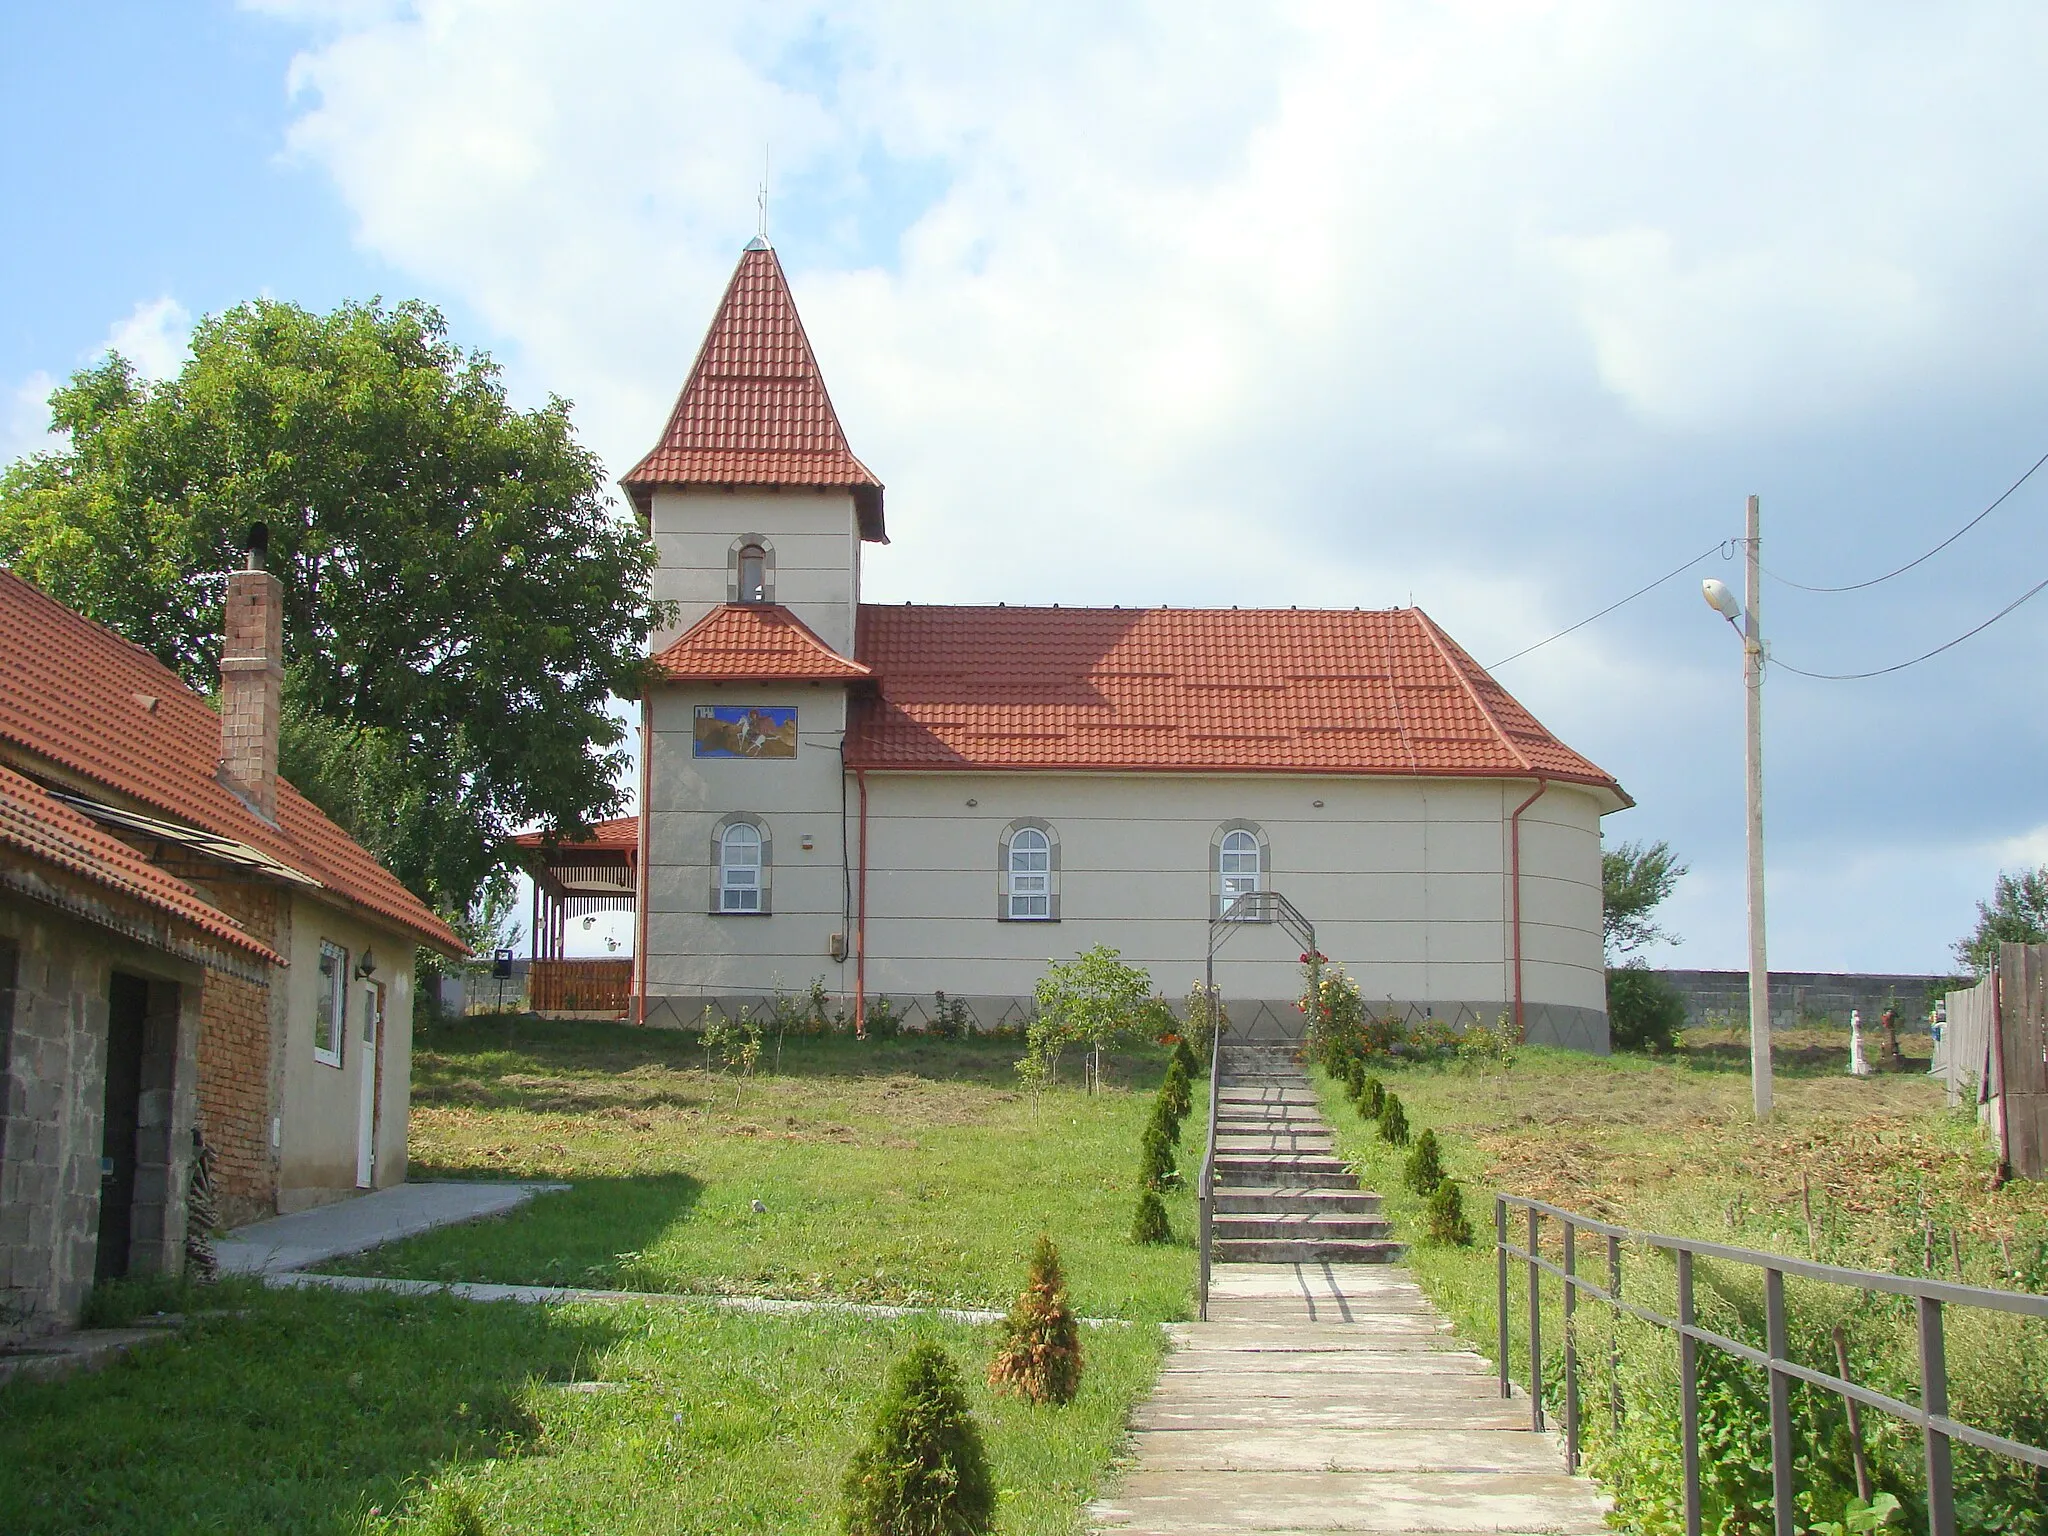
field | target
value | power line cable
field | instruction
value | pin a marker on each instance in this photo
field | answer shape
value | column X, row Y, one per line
column 1850, row 677
column 1858, row 586
column 1676, row 571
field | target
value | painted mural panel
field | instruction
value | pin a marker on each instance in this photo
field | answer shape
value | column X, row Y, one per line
column 745, row 730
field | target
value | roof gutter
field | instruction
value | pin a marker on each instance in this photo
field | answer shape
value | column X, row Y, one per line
column 1515, row 894
column 640, row 869
column 860, row 919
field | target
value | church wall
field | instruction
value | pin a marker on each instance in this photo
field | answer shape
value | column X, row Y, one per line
column 816, row 545
column 1406, row 882
column 693, row 953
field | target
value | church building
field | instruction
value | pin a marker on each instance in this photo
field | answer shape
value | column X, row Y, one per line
column 909, row 799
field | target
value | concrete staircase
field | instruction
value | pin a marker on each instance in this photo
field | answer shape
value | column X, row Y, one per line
column 1282, row 1194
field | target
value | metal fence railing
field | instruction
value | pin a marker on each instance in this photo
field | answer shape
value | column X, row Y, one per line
column 1930, row 1415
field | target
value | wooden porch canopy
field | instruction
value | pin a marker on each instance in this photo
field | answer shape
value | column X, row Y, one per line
column 599, row 873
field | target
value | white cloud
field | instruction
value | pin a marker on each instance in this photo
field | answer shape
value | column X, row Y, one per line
column 1499, row 306
column 25, row 419
column 153, row 337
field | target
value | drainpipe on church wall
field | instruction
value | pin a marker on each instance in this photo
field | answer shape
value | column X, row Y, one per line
column 860, row 920
column 1515, row 892
column 640, row 872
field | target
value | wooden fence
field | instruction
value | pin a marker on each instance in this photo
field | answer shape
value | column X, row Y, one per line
column 1994, row 1048
column 579, row 986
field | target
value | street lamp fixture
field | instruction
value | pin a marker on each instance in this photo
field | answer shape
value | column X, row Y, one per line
column 1743, row 616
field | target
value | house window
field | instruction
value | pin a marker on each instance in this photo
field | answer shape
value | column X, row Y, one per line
column 753, row 574
column 330, row 1012
column 742, row 869
column 1239, row 865
column 1030, row 875
column 1028, row 878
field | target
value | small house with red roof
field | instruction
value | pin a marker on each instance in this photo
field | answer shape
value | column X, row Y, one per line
column 904, row 800
column 190, row 953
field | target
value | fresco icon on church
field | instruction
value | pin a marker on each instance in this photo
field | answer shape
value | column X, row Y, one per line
column 745, row 730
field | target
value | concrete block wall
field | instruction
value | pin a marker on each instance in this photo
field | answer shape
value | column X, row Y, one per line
column 52, row 1100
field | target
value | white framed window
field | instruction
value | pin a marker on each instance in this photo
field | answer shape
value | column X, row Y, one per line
column 1028, row 872
column 330, row 1008
column 1030, row 875
column 741, row 887
column 1239, row 866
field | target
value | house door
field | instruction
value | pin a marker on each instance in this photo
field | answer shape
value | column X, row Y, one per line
column 127, row 1006
column 370, row 1063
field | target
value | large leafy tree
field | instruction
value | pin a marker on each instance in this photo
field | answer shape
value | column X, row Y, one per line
column 461, row 599
column 1636, row 877
column 2016, row 914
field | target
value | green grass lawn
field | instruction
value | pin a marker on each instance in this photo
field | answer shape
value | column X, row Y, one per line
column 907, row 1171
column 902, row 1171
column 1862, row 1172
column 319, row 1413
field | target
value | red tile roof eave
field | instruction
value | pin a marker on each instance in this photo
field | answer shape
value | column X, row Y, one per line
column 73, row 843
column 867, row 494
column 1238, row 770
column 49, row 710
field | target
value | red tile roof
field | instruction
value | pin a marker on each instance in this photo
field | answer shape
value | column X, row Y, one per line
column 621, row 834
column 75, row 693
column 755, row 642
column 1191, row 690
column 754, row 411
column 33, row 822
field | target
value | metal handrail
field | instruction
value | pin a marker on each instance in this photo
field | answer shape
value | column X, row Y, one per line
column 1930, row 1415
column 1263, row 906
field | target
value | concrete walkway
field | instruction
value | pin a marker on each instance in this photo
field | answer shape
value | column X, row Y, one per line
column 1331, row 1397
column 368, row 1221
column 569, row 1295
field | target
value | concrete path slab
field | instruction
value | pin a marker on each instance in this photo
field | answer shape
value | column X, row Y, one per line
column 1327, row 1393
column 369, row 1221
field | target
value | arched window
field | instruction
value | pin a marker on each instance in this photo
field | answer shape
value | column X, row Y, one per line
column 753, row 574
column 741, row 887
column 750, row 569
column 1240, row 866
column 1030, row 874
column 1028, row 878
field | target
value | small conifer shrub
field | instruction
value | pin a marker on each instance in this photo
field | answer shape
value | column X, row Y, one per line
column 1164, row 1117
column 1177, row 1092
column 1354, row 1078
column 1185, row 1058
column 1155, row 1157
column 1149, row 1225
column 1393, row 1121
column 1446, row 1216
column 1040, row 1353
column 923, row 1471
column 1425, row 1168
column 1372, row 1097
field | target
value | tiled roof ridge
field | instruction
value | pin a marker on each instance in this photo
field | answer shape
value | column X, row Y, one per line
column 1460, row 664
column 1191, row 690
column 830, row 664
column 598, row 837
column 722, row 431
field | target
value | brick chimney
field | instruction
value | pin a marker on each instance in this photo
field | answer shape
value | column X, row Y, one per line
column 252, row 679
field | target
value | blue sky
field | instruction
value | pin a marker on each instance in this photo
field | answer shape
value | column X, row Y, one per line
column 1499, row 308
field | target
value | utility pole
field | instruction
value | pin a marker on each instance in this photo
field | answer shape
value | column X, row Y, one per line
column 1753, row 712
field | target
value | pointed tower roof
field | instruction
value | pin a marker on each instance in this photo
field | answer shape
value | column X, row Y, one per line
column 755, row 411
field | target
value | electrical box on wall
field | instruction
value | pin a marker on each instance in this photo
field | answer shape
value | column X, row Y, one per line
column 836, row 947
